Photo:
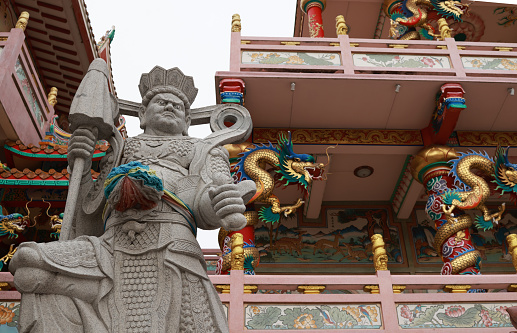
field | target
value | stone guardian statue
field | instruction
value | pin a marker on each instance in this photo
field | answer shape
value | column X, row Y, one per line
column 129, row 261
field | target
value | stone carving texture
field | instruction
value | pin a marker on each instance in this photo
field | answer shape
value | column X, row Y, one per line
column 146, row 273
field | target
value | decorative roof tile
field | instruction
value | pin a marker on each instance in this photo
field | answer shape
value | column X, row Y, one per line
column 47, row 151
column 38, row 177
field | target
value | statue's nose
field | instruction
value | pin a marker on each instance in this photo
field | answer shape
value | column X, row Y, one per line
column 168, row 107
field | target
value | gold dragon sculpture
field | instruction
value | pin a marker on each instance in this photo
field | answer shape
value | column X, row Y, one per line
column 291, row 168
column 471, row 172
column 288, row 168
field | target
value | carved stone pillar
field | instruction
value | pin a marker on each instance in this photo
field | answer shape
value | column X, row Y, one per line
column 452, row 240
column 313, row 9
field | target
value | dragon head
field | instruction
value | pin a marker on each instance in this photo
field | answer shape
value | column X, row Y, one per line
column 450, row 8
column 296, row 168
column 505, row 172
column 15, row 222
column 56, row 221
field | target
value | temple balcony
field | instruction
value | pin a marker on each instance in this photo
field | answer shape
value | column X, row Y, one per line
column 345, row 73
column 25, row 112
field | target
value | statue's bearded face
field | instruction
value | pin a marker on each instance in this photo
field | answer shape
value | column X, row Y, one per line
column 164, row 115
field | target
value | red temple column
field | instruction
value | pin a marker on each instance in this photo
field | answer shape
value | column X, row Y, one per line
column 313, row 9
column 452, row 240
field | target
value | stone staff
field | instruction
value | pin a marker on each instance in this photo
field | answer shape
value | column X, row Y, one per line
column 93, row 109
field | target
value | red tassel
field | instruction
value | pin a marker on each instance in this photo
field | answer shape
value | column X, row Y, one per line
column 132, row 197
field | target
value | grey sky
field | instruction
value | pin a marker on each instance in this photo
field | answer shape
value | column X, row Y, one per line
column 191, row 35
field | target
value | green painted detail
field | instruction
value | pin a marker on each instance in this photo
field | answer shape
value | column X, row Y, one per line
column 309, row 2
column 430, row 166
column 481, row 224
column 30, row 182
column 46, row 156
column 449, row 196
column 234, row 159
column 231, row 100
column 406, row 162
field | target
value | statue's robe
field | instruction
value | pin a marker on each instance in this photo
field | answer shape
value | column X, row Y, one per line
column 148, row 276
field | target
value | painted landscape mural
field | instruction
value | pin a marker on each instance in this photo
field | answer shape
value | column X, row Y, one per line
column 342, row 235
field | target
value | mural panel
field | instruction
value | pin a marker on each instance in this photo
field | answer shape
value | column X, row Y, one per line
column 29, row 93
column 9, row 314
column 507, row 64
column 312, row 317
column 291, row 58
column 461, row 315
column 400, row 60
column 342, row 235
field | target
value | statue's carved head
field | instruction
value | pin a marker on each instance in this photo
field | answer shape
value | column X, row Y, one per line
column 168, row 95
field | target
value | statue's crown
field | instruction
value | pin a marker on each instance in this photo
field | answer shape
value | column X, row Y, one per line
column 174, row 77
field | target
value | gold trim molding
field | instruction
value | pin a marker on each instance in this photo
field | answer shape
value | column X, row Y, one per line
column 342, row 136
column 380, row 137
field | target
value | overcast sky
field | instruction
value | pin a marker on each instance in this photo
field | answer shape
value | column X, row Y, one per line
column 191, row 35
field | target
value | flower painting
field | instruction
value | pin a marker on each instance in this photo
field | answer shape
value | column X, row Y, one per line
column 313, row 317
column 489, row 63
column 464, row 315
column 401, row 61
column 9, row 314
column 290, row 58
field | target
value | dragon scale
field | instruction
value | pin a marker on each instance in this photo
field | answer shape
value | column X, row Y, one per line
column 480, row 190
column 262, row 178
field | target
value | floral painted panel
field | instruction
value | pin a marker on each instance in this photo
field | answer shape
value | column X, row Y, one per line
column 313, row 317
column 462, row 315
column 491, row 244
column 400, row 60
column 29, row 93
column 290, row 58
column 505, row 64
column 9, row 314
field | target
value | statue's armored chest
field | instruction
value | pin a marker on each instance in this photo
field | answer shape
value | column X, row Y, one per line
column 150, row 150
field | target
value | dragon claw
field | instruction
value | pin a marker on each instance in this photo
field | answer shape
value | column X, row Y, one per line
column 448, row 209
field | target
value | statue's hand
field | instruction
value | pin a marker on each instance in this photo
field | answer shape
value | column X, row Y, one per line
column 82, row 146
column 227, row 201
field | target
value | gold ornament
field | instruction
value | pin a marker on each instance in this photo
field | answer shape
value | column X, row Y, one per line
column 311, row 289
column 429, row 155
column 52, row 96
column 236, row 23
column 237, row 252
column 457, row 288
column 23, row 20
column 512, row 248
column 443, row 27
column 341, row 27
column 380, row 258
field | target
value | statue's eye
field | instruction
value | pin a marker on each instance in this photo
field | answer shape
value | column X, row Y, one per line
column 161, row 103
column 296, row 159
column 511, row 169
column 177, row 107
